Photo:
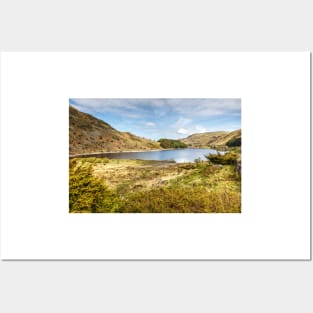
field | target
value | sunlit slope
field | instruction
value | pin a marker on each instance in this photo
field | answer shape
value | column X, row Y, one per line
column 219, row 138
column 88, row 134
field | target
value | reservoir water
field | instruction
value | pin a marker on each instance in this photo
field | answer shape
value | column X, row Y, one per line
column 177, row 155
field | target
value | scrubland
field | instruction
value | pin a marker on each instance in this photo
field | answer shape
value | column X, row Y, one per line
column 100, row 185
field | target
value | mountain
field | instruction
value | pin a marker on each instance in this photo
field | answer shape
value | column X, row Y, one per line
column 88, row 135
column 219, row 138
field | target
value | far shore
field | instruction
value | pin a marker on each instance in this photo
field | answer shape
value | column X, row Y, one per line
column 111, row 152
column 127, row 151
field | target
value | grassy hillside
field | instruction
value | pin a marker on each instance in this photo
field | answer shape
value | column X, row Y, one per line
column 88, row 134
column 223, row 140
column 202, row 139
column 210, row 139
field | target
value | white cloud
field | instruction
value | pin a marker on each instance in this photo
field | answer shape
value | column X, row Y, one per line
column 150, row 124
column 186, row 126
column 185, row 108
column 182, row 131
column 206, row 107
column 192, row 130
column 173, row 117
column 200, row 129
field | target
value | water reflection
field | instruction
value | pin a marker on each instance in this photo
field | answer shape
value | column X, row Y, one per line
column 177, row 155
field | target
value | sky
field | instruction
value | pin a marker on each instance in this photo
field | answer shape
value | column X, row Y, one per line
column 164, row 118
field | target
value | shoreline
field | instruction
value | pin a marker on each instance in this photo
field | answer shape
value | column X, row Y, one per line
column 91, row 154
column 112, row 152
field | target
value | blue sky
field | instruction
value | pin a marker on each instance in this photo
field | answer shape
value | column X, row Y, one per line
column 164, row 118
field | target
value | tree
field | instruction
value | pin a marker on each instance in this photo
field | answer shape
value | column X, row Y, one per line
column 171, row 143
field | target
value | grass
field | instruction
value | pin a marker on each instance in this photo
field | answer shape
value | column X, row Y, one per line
column 101, row 185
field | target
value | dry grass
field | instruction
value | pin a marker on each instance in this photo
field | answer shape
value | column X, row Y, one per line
column 156, row 186
column 211, row 139
column 88, row 134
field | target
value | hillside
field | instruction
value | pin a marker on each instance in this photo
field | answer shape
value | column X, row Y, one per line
column 203, row 139
column 219, row 138
column 223, row 140
column 88, row 135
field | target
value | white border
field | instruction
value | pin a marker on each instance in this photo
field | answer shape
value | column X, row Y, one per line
column 275, row 93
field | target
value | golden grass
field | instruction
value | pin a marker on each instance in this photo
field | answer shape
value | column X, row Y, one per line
column 156, row 186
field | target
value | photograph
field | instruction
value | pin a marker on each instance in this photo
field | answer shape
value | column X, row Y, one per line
column 154, row 155
column 137, row 132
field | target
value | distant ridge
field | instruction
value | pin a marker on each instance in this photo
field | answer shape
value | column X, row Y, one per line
column 88, row 134
column 219, row 138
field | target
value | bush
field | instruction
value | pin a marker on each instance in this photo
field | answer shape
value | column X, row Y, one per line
column 227, row 158
column 104, row 160
column 197, row 160
column 87, row 194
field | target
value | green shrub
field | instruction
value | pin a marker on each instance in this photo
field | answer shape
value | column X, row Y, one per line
column 104, row 160
column 88, row 194
column 197, row 160
column 227, row 158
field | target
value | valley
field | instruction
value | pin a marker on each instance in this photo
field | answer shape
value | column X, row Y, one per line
column 118, row 172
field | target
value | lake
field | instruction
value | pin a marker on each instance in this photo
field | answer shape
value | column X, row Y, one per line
column 178, row 155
